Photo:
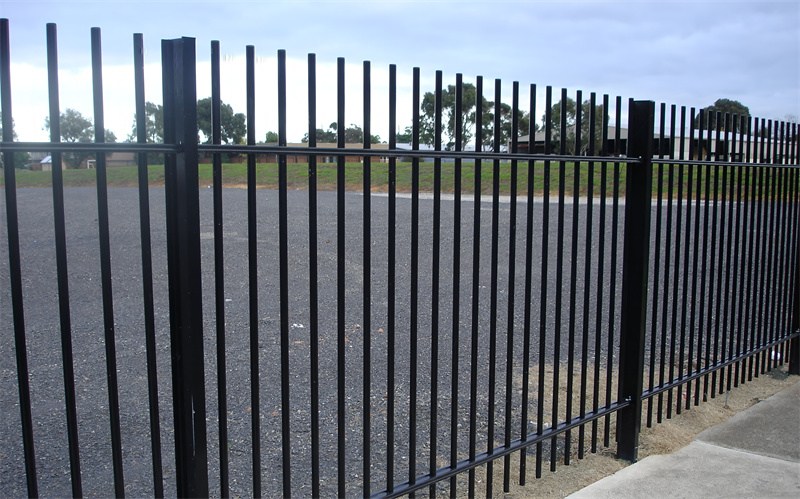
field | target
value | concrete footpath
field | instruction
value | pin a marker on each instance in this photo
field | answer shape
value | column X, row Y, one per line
column 756, row 453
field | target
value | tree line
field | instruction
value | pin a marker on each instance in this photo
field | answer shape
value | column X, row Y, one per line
column 77, row 128
column 428, row 131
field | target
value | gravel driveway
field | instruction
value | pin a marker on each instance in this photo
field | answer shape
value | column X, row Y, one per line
column 43, row 336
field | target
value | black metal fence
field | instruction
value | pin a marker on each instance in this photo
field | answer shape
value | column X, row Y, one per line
column 402, row 343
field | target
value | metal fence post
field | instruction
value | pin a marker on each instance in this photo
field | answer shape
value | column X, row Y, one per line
column 635, row 268
column 183, row 259
column 794, row 344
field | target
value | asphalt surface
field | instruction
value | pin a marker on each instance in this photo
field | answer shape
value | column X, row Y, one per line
column 43, row 334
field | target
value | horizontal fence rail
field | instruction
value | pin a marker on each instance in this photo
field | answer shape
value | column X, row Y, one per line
column 354, row 342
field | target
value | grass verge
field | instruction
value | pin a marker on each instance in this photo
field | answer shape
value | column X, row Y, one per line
column 234, row 175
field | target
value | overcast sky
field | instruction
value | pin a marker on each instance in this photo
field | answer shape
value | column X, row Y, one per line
column 684, row 53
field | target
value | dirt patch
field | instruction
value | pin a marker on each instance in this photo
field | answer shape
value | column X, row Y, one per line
column 662, row 438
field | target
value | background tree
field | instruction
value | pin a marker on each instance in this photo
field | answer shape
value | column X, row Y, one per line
column 586, row 126
column 154, row 124
column 233, row 125
column 325, row 136
column 469, row 97
column 352, row 135
column 272, row 137
column 154, row 130
column 406, row 137
column 355, row 135
column 77, row 128
column 722, row 106
column 505, row 124
column 427, row 132
column 21, row 159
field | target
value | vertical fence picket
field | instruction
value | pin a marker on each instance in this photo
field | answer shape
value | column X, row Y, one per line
column 147, row 269
column 562, row 166
column 105, row 267
column 781, row 313
column 252, row 277
column 775, row 332
column 692, row 305
column 414, row 305
column 456, row 322
column 15, row 266
column 738, row 295
column 755, row 233
column 219, row 273
column 61, row 265
column 283, row 256
column 676, row 265
column 750, row 189
column 656, row 264
column 527, row 303
column 667, row 261
column 685, row 304
column 367, row 285
column 720, row 331
column 476, row 237
column 778, row 263
column 573, row 275
column 512, row 242
column 612, row 293
column 771, row 229
column 741, row 324
column 341, row 270
column 601, row 244
column 587, row 277
column 548, row 126
column 313, row 272
column 761, row 245
column 777, row 193
column 435, row 258
column 786, row 258
column 766, row 260
column 727, row 316
column 493, row 270
column 789, row 223
column 707, row 294
column 391, row 284
column 761, row 259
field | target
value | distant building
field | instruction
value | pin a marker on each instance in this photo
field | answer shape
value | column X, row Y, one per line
column 727, row 146
column 608, row 149
column 114, row 159
column 42, row 162
column 45, row 164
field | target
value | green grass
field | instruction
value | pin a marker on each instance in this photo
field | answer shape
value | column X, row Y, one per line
column 123, row 176
column 234, row 175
